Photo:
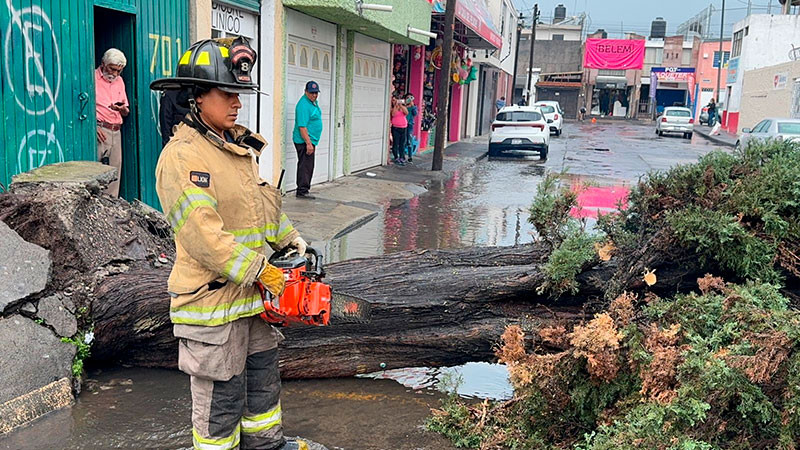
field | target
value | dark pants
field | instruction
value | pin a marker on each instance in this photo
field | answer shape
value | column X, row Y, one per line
column 410, row 141
column 399, row 136
column 305, row 169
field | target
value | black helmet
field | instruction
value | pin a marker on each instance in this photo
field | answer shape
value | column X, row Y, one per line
column 223, row 63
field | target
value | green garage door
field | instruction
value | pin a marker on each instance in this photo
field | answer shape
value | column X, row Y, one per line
column 47, row 101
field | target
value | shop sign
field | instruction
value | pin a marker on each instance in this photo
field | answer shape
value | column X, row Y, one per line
column 614, row 54
column 780, row 80
column 675, row 75
column 733, row 70
column 232, row 20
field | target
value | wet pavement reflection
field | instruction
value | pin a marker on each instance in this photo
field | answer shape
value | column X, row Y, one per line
column 481, row 205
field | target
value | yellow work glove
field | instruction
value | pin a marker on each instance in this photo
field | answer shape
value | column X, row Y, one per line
column 299, row 245
column 272, row 279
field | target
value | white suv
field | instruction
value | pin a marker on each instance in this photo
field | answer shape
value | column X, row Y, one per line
column 554, row 115
column 519, row 128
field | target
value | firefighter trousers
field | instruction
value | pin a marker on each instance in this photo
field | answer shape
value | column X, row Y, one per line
column 235, row 384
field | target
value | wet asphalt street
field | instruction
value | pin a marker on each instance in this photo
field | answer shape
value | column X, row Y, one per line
column 482, row 204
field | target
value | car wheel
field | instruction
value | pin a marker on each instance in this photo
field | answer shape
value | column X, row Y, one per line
column 660, row 133
column 543, row 153
column 689, row 135
column 558, row 132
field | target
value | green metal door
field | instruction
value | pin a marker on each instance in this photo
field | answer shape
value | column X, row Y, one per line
column 46, row 84
column 162, row 31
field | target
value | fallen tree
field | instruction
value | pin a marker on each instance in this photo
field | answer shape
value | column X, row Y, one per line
column 716, row 367
column 433, row 308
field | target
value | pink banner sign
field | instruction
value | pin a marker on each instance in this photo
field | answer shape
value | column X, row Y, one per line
column 614, row 54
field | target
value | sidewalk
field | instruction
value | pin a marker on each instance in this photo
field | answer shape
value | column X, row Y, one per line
column 723, row 138
column 348, row 202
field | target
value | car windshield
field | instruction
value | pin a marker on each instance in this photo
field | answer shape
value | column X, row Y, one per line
column 547, row 109
column 519, row 116
column 789, row 127
column 678, row 113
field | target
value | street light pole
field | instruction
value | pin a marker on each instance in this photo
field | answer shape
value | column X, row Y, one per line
column 516, row 61
column 444, row 85
column 533, row 42
column 721, row 54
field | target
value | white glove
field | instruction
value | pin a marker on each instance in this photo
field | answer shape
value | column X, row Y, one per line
column 298, row 245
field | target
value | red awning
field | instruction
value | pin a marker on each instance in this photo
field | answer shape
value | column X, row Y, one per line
column 475, row 16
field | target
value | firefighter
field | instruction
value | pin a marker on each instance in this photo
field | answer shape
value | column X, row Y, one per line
column 224, row 216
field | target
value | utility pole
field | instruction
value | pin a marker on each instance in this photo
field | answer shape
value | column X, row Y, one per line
column 516, row 62
column 444, row 85
column 721, row 54
column 533, row 42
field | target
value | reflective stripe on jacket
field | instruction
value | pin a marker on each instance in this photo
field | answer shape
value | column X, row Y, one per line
column 223, row 215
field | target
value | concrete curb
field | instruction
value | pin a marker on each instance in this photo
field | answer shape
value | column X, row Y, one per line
column 715, row 139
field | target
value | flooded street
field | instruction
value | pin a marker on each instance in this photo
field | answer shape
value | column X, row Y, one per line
column 481, row 205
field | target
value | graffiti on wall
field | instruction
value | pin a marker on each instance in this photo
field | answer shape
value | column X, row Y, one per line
column 36, row 92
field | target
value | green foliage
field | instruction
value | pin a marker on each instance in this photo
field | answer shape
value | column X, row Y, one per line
column 83, row 352
column 566, row 261
column 736, row 381
column 720, row 238
column 550, row 211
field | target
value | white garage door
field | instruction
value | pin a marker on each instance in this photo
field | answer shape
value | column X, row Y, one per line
column 370, row 103
column 370, row 117
column 307, row 60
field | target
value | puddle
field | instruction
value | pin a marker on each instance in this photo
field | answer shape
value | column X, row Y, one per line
column 472, row 380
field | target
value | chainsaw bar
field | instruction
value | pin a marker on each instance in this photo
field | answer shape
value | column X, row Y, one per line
column 348, row 308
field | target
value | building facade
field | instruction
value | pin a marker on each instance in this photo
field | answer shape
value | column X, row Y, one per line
column 711, row 65
column 759, row 41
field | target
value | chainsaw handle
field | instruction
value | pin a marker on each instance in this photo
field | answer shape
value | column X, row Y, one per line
column 317, row 258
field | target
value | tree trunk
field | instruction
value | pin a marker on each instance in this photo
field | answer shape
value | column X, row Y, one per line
column 434, row 308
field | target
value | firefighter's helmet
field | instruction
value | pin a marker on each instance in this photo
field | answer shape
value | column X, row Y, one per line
column 224, row 63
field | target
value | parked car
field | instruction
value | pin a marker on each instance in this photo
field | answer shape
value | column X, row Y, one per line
column 519, row 129
column 772, row 128
column 554, row 115
column 675, row 119
column 703, row 119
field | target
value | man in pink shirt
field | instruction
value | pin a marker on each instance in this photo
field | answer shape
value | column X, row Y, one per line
column 112, row 106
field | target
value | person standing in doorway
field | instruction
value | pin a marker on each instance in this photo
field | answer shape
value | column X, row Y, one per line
column 111, row 104
column 307, row 131
column 412, row 120
column 399, row 129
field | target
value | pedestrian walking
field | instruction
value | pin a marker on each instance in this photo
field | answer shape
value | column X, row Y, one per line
column 399, row 129
column 500, row 103
column 223, row 217
column 712, row 113
column 172, row 110
column 111, row 104
column 306, row 135
column 411, row 117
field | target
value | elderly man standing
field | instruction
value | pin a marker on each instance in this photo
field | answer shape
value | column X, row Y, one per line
column 306, row 134
column 112, row 105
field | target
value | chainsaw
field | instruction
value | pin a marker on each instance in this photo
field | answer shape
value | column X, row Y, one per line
column 306, row 299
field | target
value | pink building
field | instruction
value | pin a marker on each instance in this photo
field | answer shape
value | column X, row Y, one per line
column 706, row 70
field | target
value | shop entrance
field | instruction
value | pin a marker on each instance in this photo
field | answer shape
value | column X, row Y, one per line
column 118, row 30
column 610, row 101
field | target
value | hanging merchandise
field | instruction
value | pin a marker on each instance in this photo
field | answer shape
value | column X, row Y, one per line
column 400, row 70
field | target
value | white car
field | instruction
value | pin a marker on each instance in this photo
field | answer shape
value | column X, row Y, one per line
column 675, row 119
column 519, row 129
column 554, row 115
column 771, row 129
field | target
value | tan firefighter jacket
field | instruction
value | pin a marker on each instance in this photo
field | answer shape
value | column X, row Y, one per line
column 223, row 215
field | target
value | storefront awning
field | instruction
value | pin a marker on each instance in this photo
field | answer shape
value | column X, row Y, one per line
column 481, row 32
column 386, row 26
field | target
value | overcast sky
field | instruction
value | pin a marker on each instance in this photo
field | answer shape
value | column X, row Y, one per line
column 636, row 15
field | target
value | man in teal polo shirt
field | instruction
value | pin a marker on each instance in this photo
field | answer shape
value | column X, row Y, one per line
column 307, row 131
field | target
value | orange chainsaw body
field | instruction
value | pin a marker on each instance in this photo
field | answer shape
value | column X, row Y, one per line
column 306, row 299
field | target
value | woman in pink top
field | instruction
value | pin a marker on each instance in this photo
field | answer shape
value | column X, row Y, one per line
column 399, row 125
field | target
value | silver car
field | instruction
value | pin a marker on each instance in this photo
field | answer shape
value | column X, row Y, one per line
column 772, row 128
column 675, row 119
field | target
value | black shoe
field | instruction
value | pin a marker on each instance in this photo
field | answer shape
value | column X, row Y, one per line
column 306, row 196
